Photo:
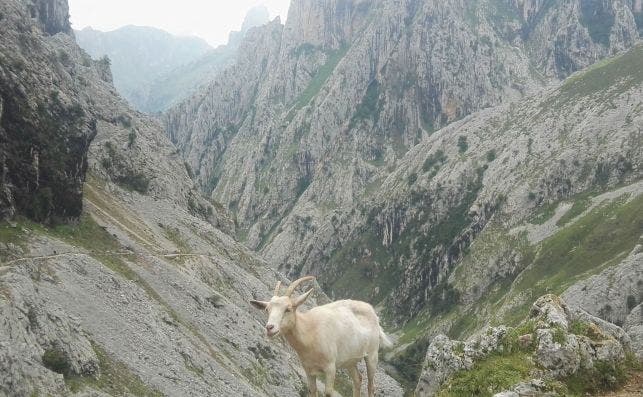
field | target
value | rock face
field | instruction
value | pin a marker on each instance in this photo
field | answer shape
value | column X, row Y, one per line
column 562, row 342
column 45, row 131
column 309, row 137
column 52, row 15
column 615, row 295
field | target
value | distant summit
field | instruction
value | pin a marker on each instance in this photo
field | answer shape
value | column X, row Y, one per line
column 257, row 16
column 154, row 69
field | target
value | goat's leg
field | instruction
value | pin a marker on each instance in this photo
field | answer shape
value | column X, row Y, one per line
column 329, row 390
column 357, row 380
column 312, row 385
column 371, row 368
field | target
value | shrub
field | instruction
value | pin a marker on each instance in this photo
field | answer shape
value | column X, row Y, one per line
column 136, row 182
column 463, row 145
column 131, row 139
column 56, row 360
column 412, row 178
column 491, row 155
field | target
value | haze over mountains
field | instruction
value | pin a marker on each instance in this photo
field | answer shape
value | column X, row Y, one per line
column 472, row 169
column 153, row 69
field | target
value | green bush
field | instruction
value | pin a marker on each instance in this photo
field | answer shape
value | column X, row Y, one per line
column 56, row 360
column 463, row 145
column 131, row 139
column 134, row 181
column 491, row 155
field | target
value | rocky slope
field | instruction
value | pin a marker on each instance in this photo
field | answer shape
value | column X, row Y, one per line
column 353, row 143
column 557, row 350
column 145, row 294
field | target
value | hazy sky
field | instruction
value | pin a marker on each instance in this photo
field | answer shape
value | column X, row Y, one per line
column 209, row 19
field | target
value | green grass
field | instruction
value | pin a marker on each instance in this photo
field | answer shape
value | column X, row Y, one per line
column 617, row 74
column 320, row 78
column 603, row 377
column 603, row 235
column 115, row 379
column 543, row 214
column 580, row 205
column 174, row 235
column 489, row 376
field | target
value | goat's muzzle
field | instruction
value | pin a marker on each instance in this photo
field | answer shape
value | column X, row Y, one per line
column 271, row 331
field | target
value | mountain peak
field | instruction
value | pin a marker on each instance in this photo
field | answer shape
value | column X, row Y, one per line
column 256, row 16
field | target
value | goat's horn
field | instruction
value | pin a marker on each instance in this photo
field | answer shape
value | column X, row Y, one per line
column 295, row 284
column 276, row 293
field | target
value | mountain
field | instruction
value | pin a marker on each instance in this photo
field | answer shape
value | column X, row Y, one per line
column 444, row 160
column 128, row 283
column 185, row 80
column 153, row 69
column 139, row 55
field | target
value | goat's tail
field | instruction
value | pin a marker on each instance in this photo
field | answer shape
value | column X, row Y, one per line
column 385, row 342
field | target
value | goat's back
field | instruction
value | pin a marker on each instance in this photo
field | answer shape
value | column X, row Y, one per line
column 349, row 327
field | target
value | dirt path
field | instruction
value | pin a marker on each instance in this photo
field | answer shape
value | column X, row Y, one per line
column 633, row 388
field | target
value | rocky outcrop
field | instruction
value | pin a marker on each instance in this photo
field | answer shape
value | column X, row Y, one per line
column 561, row 341
column 51, row 15
column 615, row 295
column 45, row 131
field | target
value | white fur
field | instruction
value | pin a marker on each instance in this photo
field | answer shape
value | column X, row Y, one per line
column 329, row 337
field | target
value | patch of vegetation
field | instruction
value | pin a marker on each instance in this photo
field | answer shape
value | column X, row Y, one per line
column 323, row 74
column 200, row 210
column 491, row 155
column 174, row 235
column 368, row 109
column 115, row 379
column 131, row 139
column 580, row 205
column 614, row 75
column 409, row 363
column 489, row 376
column 134, row 182
column 434, row 162
column 56, row 360
column 544, row 214
column 410, row 180
column 463, row 145
column 602, row 377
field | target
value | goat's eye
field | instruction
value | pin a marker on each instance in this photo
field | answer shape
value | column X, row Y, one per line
column 288, row 310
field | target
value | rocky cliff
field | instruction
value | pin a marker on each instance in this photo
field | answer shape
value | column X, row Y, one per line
column 429, row 156
column 45, row 130
column 144, row 294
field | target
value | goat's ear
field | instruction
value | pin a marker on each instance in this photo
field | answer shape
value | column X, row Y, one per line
column 301, row 298
column 259, row 304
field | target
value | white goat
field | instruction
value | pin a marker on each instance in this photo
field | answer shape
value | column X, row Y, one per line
column 328, row 337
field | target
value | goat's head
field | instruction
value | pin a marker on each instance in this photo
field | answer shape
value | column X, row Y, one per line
column 281, row 309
